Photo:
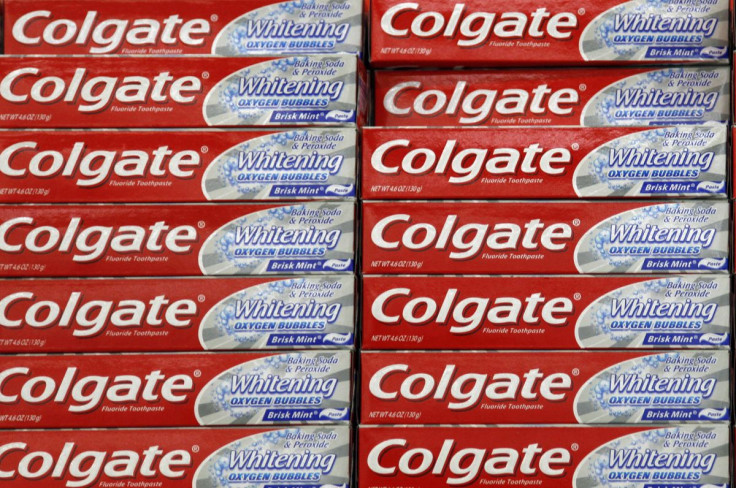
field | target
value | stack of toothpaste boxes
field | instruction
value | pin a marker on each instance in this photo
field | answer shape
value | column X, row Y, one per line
column 177, row 242
column 545, row 240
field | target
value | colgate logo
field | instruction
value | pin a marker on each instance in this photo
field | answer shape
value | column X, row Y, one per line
column 91, row 243
column 464, row 466
column 466, row 165
column 95, row 94
column 466, row 241
column 471, row 29
column 465, row 391
column 470, row 313
column 94, row 168
column 106, row 36
column 85, row 394
column 85, row 468
column 92, row 317
column 478, row 105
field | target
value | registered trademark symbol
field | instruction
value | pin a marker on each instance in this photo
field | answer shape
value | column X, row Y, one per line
column 214, row 18
column 581, row 11
column 575, row 146
column 195, row 448
column 583, row 87
column 577, row 296
column 575, row 446
column 201, row 298
column 197, row 373
column 205, row 75
column 204, row 149
column 576, row 222
column 201, row 224
column 575, row 372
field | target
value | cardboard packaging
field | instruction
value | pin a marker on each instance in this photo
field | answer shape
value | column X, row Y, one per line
column 122, row 92
column 487, row 164
column 163, row 314
column 176, row 240
column 589, row 237
column 177, row 166
column 550, row 457
column 557, row 33
column 175, row 458
column 553, row 97
column 190, row 27
column 545, row 387
column 177, row 390
column 545, row 312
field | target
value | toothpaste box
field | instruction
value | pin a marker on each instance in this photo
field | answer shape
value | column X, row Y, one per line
column 484, row 163
column 550, row 457
column 224, row 27
column 546, row 312
column 112, row 92
column 195, row 314
column 156, row 390
column 176, row 166
column 176, row 240
column 172, row 458
column 534, row 33
column 589, row 237
column 545, row 387
column 563, row 96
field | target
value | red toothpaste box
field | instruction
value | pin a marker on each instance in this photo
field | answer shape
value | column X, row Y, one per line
column 551, row 457
column 484, row 163
column 553, row 97
column 545, row 312
column 176, row 166
column 176, row 240
column 732, row 190
column 225, row 27
column 175, row 458
column 193, row 314
column 544, row 387
column 590, row 237
column 119, row 92
column 158, row 390
column 533, row 33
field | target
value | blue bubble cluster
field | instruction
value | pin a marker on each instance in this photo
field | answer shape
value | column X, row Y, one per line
column 230, row 171
column 606, row 106
column 606, row 29
column 648, row 439
column 272, row 440
column 601, row 242
column 602, row 317
column 601, row 164
column 239, row 37
column 227, row 245
column 222, row 394
column 600, row 393
column 230, row 96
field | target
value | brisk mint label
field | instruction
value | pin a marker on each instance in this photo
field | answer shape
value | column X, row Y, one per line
column 299, row 164
column 667, row 237
column 667, row 161
column 299, row 387
column 669, row 96
column 680, row 311
column 298, row 90
column 642, row 30
column 676, row 456
column 669, row 387
column 301, row 239
column 289, row 313
column 293, row 457
column 294, row 27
